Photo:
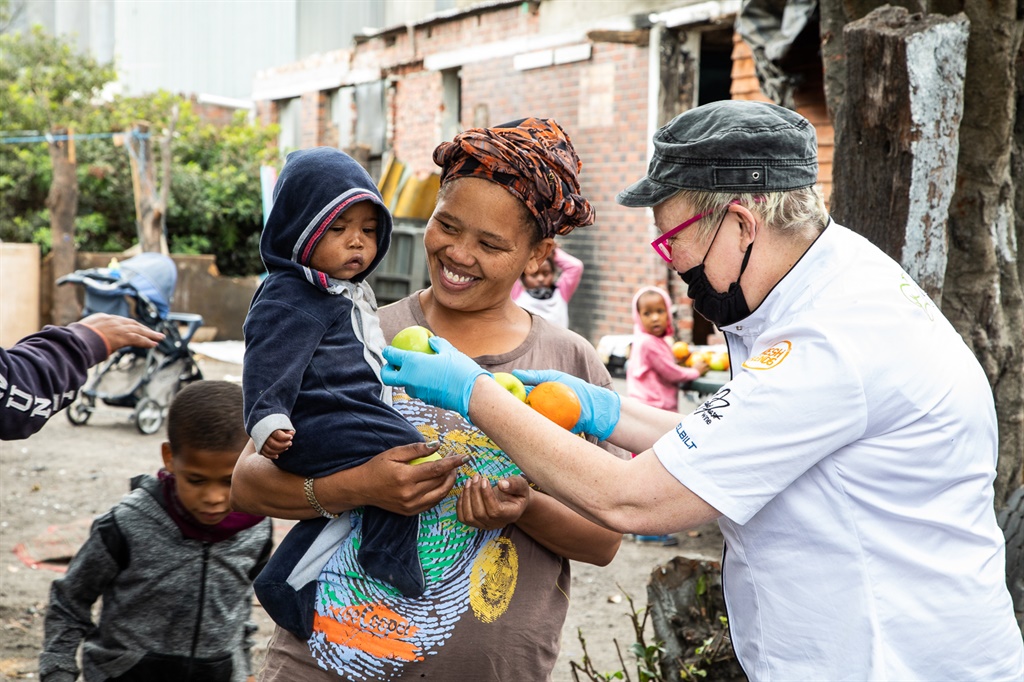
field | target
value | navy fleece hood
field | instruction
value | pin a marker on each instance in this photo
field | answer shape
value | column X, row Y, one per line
column 315, row 187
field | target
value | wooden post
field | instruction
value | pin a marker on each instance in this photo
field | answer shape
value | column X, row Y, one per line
column 679, row 59
column 63, row 204
column 150, row 203
column 897, row 136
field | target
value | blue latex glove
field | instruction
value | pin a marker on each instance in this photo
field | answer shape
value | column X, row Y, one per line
column 445, row 380
column 600, row 408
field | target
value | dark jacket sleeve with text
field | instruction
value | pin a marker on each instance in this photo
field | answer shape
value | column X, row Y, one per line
column 41, row 374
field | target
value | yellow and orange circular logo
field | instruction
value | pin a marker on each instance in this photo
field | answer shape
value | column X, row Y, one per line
column 770, row 357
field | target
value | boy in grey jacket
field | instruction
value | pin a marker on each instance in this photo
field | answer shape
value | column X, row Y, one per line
column 173, row 564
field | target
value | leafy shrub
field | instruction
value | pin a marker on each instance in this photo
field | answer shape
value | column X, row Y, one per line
column 215, row 203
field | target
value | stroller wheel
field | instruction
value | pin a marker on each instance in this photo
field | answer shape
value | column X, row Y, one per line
column 149, row 416
column 80, row 410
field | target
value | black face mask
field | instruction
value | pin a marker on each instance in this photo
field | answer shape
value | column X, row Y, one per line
column 722, row 309
column 541, row 293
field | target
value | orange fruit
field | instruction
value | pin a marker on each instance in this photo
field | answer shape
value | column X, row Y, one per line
column 681, row 350
column 557, row 402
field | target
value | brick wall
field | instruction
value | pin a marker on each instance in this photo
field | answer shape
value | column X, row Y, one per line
column 314, row 118
column 214, row 113
column 266, row 112
column 602, row 104
column 416, row 119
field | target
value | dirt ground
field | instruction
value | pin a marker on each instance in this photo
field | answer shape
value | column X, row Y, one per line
column 54, row 483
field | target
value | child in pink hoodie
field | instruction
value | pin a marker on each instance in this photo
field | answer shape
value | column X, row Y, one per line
column 652, row 374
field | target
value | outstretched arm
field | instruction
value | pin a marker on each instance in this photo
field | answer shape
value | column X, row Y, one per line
column 119, row 332
column 42, row 372
column 637, row 495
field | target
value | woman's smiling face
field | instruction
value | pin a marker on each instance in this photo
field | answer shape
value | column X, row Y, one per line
column 478, row 243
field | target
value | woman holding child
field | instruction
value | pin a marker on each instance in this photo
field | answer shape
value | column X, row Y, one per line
column 496, row 559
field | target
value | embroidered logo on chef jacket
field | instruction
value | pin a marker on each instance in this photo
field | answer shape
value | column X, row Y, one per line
column 916, row 296
column 685, row 437
column 710, row 409
column 770, row 357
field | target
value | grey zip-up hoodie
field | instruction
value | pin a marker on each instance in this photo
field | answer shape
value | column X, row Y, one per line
column 173, row 608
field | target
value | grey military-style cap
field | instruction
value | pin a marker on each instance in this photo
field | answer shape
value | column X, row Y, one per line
column 728, row 146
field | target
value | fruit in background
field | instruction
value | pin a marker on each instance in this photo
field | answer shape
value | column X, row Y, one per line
column 681, row 350
column 704, row 356
column 719, row 362
column 413, row 338
column 557, row 402
column 511, row 384
column 432, row 457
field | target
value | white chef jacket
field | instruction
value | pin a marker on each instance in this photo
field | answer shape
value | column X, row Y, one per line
column 852, row 457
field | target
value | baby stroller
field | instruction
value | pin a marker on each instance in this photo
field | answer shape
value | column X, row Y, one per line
column 143, row 379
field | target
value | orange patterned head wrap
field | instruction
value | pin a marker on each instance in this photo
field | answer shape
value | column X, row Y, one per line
column 533, row 159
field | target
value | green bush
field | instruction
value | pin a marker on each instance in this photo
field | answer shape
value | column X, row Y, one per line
column 215, row 203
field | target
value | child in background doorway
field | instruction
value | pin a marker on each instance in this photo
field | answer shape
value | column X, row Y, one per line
column 172, row 563
column 652, row 373
column 547, row 292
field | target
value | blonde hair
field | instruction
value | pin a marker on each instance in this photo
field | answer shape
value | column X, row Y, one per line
column 788, row 212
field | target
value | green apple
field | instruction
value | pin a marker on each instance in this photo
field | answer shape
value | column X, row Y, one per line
column 413, row 338
column 719, row 362
column 432, row 457
column 511, row 384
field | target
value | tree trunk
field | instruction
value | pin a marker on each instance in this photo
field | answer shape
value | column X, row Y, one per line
column 63, row 204
column 896, row 136
column 835, row 14
column 688, row 614
column 982, row 294
column 1017, row 163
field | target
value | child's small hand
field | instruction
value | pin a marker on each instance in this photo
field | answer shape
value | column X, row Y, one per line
column 279, row 441
column 700, row 366
column 488, row 507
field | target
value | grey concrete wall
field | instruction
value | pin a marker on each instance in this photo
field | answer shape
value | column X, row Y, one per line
column 222, row 301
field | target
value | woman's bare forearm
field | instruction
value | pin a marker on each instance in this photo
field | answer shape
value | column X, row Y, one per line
column 387, row 481
column 258, row 486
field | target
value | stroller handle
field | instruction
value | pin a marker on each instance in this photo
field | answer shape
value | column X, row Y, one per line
column 94, row 278
column 191, row 321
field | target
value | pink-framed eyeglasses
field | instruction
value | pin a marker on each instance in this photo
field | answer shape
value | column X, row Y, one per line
column 662, row 245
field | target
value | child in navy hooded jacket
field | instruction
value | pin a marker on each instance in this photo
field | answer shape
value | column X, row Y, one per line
column 314, row 401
